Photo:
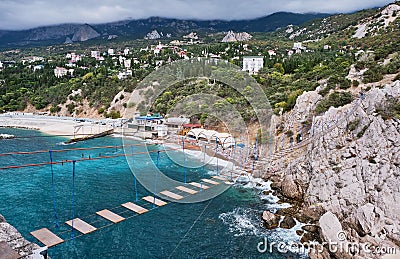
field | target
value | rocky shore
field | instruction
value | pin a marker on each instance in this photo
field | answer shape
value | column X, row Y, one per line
column 14, row 240
column 344, row 184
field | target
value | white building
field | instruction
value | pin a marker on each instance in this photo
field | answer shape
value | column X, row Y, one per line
column 95, row 54
column 110, row 52
column 126, row 51
column 124, row 74
column 1, row 65
column 37, row 67
column 61, row 71
column 127, row 63
column 271, row 53
column 253, row 64
column 297, row 45
column 162, row 130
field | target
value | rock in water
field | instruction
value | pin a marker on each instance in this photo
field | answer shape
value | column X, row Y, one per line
column 84, row 33
column 2, row 219
column 288, row 222
column 271, row 220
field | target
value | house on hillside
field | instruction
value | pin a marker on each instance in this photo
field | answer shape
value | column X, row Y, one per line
column 253, row 64
column 95, row 54
column 61, row 71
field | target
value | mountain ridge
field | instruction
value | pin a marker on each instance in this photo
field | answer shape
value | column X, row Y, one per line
column 138, row 28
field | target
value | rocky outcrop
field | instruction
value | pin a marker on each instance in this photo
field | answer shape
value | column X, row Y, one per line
column 271, row 220
column 234, row 37
column 84, row 33
column 291, row 189
column 153, row 35
column 15, row 240
column 350, row 167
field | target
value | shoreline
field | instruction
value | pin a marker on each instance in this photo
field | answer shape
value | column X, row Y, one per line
column 55, row 126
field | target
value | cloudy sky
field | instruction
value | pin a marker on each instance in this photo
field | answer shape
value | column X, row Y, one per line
column 22, row 14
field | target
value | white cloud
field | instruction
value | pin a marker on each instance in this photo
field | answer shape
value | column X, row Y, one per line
column 19, row 14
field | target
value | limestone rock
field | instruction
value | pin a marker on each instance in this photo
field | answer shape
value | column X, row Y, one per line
column 271, row 220
column 315, row 254
column 330, row 227
column 15, row 240
column 370, row 219
column 291, row 189
column 84, row 33
column 354, row 174
column 234, row 37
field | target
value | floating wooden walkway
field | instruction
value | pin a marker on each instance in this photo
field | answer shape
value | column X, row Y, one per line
column 47, row 237
column 172, row 195
column 81, row 226
column 210, row 181
column 111, row 216
column 187, row 190
column 135, row 208
column 198, row 185
column 155, row 201
column 50, row 239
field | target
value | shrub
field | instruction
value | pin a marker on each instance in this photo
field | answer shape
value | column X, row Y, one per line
column 335, row 99
column 353, row 125
column 390, row 109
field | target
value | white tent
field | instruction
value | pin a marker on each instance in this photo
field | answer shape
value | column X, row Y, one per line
column 224, row 139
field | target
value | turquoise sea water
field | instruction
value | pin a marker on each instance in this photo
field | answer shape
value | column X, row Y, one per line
column 228, row 226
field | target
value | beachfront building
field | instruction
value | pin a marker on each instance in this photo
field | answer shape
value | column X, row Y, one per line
column 175, row 124
column 188, row 127
column 148, row 122
column 253, row 64
column 222, row 138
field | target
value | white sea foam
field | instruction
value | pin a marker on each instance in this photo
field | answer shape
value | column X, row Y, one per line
column 241, row 222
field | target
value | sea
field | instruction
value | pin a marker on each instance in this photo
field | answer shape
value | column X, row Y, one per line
column 226, row 226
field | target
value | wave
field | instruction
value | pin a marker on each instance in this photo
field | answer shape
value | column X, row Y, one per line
column 242, row 221
column 65, row 144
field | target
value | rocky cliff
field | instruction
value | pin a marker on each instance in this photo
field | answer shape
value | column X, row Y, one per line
column 350, row 167
column 234, row 37
column 84, row 33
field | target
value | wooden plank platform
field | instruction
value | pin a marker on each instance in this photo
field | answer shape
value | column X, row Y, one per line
column 205, row 187
column 135, row 208
column 6, row 252
column 187, row 190
column 210, row 181
column 172, row 195
column 157, row 202
column 219, row 178
column 111, row 216
column 81, row 226
column 47, row 237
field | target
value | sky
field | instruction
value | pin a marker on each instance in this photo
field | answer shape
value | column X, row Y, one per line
column 23, row 14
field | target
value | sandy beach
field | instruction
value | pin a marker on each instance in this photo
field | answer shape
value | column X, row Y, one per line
column 60, row 126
